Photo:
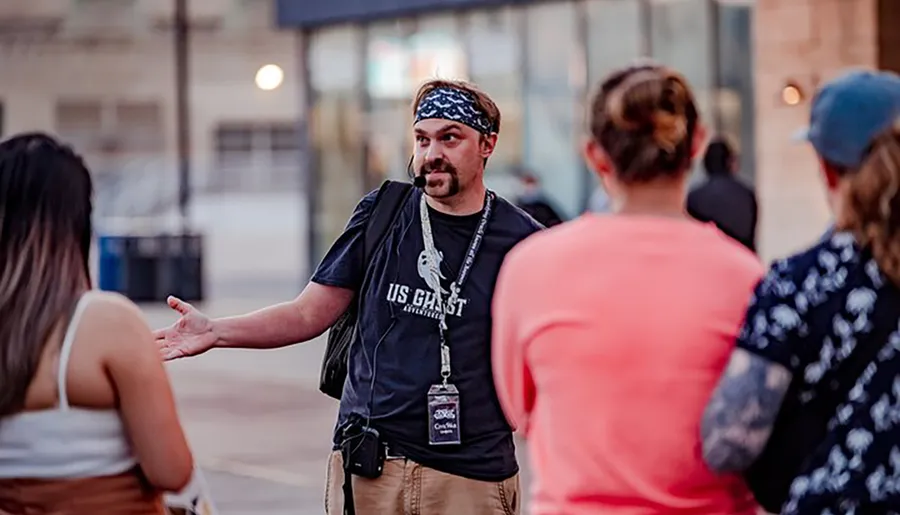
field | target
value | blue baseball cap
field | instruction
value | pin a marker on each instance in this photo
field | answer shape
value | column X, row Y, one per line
column 849, row 112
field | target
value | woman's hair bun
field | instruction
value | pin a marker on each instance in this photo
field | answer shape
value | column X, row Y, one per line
column 645, row 118
column 653, row 102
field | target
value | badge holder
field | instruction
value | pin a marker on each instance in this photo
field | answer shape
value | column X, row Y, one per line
column 443, row 415
column 443, row 399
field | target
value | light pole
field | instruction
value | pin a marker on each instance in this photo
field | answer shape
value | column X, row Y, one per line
column 187, row 265
column 181, row 108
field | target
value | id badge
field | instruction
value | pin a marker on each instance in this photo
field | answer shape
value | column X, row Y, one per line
column 443, row 415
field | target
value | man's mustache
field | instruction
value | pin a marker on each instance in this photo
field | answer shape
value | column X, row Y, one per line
column 438, row 166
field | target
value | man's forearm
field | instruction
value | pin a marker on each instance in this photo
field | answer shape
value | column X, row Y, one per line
column 269, row 328
column 304, row 318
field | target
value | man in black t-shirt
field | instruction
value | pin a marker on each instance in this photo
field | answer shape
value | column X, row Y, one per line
column 420, row 369
column 723, row 198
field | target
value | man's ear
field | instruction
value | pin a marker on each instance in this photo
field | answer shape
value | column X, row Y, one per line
column 488, row 144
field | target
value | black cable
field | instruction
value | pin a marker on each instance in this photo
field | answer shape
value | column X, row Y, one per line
column 373, row 363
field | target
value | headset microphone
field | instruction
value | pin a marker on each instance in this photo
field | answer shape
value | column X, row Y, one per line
column 419, row 181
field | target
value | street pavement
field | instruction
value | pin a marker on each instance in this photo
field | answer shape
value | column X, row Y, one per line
column 258, row 425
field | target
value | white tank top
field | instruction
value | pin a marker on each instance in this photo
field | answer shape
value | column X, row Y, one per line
column 64, row 442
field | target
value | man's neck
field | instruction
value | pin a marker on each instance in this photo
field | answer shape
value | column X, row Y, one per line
column 464, row 203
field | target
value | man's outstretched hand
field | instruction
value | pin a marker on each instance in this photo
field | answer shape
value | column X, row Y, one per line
column 191, row 335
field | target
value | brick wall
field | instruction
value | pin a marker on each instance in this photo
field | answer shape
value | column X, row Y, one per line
column 889, row 35
column 804, row 41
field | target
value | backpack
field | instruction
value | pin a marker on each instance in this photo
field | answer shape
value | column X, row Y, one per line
column 390, row 198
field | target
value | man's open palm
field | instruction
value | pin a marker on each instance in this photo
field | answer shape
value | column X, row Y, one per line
column 191, row 335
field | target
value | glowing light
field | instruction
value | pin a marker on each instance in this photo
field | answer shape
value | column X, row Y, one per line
column 269, row 77
column 791, row 95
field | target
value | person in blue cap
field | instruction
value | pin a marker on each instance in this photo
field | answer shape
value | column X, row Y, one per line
column 821, row 331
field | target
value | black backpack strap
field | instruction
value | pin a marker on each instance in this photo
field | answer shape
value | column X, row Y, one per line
column 388, row 204
column 884, row 320
column 388, row 201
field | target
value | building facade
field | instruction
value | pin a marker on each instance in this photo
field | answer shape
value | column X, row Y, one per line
column 538, row 60
column 802, row 43
column 101, row 75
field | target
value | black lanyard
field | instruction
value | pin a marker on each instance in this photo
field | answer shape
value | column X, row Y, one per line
column 464, row 270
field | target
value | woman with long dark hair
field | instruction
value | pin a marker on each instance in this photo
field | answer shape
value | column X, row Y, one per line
column 87, row 418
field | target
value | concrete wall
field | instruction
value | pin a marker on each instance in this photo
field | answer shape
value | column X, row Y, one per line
column 255, row 243
column 806, row 42
column 138, row 64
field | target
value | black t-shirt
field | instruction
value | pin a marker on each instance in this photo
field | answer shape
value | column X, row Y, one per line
column 730, row 204
column 808, row 314
column 396, row 357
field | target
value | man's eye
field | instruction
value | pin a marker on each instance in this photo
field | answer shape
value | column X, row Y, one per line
column 450, row 137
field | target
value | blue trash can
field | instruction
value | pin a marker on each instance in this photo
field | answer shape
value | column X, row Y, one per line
column 111, row 250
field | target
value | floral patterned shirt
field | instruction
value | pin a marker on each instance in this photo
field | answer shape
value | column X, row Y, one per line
column 807, row 315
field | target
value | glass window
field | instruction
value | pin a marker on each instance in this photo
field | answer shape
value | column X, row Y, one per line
column 388, row 61
column 402, row 55
column 436, row 50
column 390, row 86
column 494, row 48
column 139, row 126
column 233, row 141
column 682, row 36
column 80, row 123
column 735, row 94
column 615, row 36
column 335, row 61
column 256, row 157
column 104, row 16
column 124, row 127
column 554, row 83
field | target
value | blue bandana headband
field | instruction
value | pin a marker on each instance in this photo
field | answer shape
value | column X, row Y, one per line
column 454, row 105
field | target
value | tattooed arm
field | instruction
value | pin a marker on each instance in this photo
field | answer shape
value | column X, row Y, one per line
column 739, row 418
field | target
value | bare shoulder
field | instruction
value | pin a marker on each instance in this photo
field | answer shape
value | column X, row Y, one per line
column 114, row 308
column 113, row 319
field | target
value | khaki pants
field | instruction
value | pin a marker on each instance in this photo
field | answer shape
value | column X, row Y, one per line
column 407, row 488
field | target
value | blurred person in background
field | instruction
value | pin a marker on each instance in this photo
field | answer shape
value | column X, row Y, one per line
column 87, row 418
column 414, row 299
column 606, row 358
column 723, row 198
column 533, row 200
column 816, row 311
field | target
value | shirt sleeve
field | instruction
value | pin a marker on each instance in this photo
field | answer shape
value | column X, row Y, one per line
column 772, row 325
column 343, row 264
column 512, row 376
